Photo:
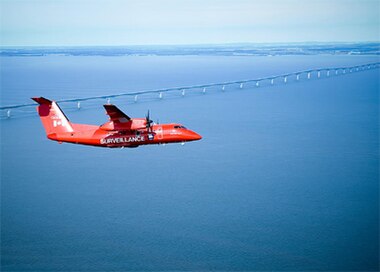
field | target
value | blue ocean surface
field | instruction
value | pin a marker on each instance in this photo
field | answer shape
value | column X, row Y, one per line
column 286, row 177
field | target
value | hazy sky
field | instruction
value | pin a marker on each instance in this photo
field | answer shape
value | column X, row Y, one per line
column 116, row 22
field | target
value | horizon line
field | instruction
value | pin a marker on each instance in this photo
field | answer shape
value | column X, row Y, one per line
column 198, row 44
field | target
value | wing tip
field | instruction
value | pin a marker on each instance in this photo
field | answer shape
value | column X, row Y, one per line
column 114, row 112
column 109, row 106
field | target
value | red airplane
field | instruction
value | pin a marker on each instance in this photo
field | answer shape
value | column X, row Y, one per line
column 119, row 131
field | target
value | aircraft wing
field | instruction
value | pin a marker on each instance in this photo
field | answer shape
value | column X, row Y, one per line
column 116, row 115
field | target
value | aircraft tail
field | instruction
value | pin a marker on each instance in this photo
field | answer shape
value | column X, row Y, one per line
column 52, row 117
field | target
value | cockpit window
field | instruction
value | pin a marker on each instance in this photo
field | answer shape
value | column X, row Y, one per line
column 179, row 127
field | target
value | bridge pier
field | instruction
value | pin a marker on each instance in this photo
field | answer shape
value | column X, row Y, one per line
column 78, row 105
column 241, row 85
column 308, row 75
column 136, row 98
column 160, row 95
column 204, row 90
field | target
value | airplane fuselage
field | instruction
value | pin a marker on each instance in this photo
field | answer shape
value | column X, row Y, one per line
column 96, row 136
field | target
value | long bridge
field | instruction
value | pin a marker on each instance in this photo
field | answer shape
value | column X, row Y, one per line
column 14, row 110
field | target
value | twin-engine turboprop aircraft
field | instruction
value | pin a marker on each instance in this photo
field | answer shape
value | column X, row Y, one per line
column 119, row 131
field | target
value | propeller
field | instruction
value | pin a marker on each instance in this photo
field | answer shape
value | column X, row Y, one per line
column 148, row 122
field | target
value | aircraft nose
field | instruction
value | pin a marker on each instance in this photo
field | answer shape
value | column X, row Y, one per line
column 194, row 136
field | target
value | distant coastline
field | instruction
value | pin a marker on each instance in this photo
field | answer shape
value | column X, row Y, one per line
column 239, row 49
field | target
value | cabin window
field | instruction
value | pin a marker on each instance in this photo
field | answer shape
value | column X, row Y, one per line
column 180, row 127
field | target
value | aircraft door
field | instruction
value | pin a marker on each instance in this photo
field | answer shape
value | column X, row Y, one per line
column 159, row 132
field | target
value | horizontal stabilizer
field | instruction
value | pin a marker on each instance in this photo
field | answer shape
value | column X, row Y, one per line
column 42, row 100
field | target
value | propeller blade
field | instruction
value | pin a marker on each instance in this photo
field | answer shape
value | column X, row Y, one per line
column 148, row 121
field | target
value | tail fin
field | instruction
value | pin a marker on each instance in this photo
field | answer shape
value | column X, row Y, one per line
column 52, row 117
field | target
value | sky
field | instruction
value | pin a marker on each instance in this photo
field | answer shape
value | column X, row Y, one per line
column 149, row 22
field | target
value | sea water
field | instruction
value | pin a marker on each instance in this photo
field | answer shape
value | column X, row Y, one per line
column 286, row 176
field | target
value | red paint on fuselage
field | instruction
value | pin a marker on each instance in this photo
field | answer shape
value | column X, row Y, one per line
column 159, row 134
